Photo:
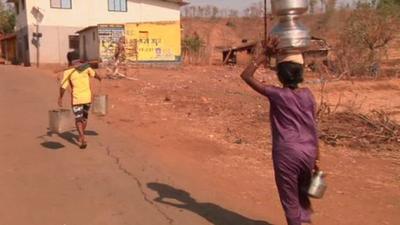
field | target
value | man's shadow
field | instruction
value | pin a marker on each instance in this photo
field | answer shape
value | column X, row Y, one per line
column 215, row 214
column 69, row 136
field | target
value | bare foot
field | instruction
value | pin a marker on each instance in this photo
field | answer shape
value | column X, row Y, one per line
column 83, row 145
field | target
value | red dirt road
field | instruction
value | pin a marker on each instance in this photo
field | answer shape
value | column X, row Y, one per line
column 47, row 180
column 136, row 156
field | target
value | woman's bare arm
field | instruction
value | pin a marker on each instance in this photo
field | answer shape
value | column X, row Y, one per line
column 248, row 74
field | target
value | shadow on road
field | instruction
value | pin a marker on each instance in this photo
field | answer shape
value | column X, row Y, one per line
column 91, row 133
column 69, row 136
column 52, row 145
column 215, row 214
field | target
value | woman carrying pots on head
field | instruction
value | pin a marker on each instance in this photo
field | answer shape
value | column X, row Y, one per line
column 294, row 132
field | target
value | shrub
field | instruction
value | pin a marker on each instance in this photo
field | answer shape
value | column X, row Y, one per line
column 7, row 19
column 364, row 39
column 193, row 48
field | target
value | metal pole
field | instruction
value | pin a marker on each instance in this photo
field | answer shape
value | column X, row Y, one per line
column 265, row 22
column 37, row 46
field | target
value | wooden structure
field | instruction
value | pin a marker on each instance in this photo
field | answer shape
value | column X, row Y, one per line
column 317, row 53
column 229, row 55
column 8, row 45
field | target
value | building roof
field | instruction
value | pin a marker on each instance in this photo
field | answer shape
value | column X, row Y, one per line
column 7, row 36
column 242, row 47
column 85, row 29
column 179, row 2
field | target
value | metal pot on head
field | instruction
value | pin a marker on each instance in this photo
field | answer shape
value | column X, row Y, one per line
column 293, row 35
column 289, row 7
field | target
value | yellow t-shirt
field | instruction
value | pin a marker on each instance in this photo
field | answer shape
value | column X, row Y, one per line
column 80, row 85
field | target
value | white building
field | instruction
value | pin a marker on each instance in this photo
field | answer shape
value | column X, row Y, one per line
column 57, row 21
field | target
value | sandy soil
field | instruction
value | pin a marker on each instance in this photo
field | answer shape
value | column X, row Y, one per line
column 209, row 126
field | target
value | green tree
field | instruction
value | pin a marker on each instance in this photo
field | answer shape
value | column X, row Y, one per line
column 365, row 37
column 389, row 7
column 389, row 2
column 7, row 19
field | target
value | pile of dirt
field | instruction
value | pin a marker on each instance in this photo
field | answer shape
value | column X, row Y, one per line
column 217, row 34
column 374, row 131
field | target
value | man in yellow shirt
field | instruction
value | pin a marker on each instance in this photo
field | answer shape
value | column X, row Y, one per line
column 78, row 78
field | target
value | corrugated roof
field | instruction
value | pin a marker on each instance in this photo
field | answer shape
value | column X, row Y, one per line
column 179, row 2
column 241, row 47
column 85, row 29
column 7, row 36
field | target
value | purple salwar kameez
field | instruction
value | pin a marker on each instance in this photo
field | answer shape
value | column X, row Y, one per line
column 295, row 146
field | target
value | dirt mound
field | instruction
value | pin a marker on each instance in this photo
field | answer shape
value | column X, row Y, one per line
column 217, row 34
column 223, row 31
column 373, row 131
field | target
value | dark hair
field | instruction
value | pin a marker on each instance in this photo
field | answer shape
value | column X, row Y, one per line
column 71, row 56
column 290, row 74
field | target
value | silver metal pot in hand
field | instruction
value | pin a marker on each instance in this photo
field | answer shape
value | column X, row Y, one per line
column 293, row 35
column 289, row 7
column 318, row 186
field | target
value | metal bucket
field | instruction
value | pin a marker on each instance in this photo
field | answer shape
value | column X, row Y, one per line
column 60, row 120
column 100, row 105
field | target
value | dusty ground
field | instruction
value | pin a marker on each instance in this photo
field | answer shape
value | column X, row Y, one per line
column 195, row 131
column 207, row 122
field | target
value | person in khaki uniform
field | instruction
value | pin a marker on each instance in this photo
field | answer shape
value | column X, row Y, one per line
column 78, row 79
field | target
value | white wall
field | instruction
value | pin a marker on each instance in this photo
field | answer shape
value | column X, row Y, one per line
column 58, row 24
column 92, row 46
column 54, row 45
column 92, row 12
column 154, row 10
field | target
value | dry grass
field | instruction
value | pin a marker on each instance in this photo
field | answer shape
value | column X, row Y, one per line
column 374, row 131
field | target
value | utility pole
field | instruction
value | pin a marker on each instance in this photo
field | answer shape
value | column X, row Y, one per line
column 38, row 35
column 265, row 22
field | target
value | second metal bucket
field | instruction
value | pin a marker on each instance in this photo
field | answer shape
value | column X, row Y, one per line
column 100, row 105
column 60, row 120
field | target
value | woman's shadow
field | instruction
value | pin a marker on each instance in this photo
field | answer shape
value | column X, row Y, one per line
column 215, row 214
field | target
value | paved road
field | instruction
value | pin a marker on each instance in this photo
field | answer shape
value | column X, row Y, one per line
column 47, row 180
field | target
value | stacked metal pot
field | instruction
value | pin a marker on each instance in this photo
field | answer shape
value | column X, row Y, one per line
column 293, row 35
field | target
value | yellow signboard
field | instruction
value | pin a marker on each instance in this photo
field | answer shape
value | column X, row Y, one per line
column 109, row 36
column 160, row 41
